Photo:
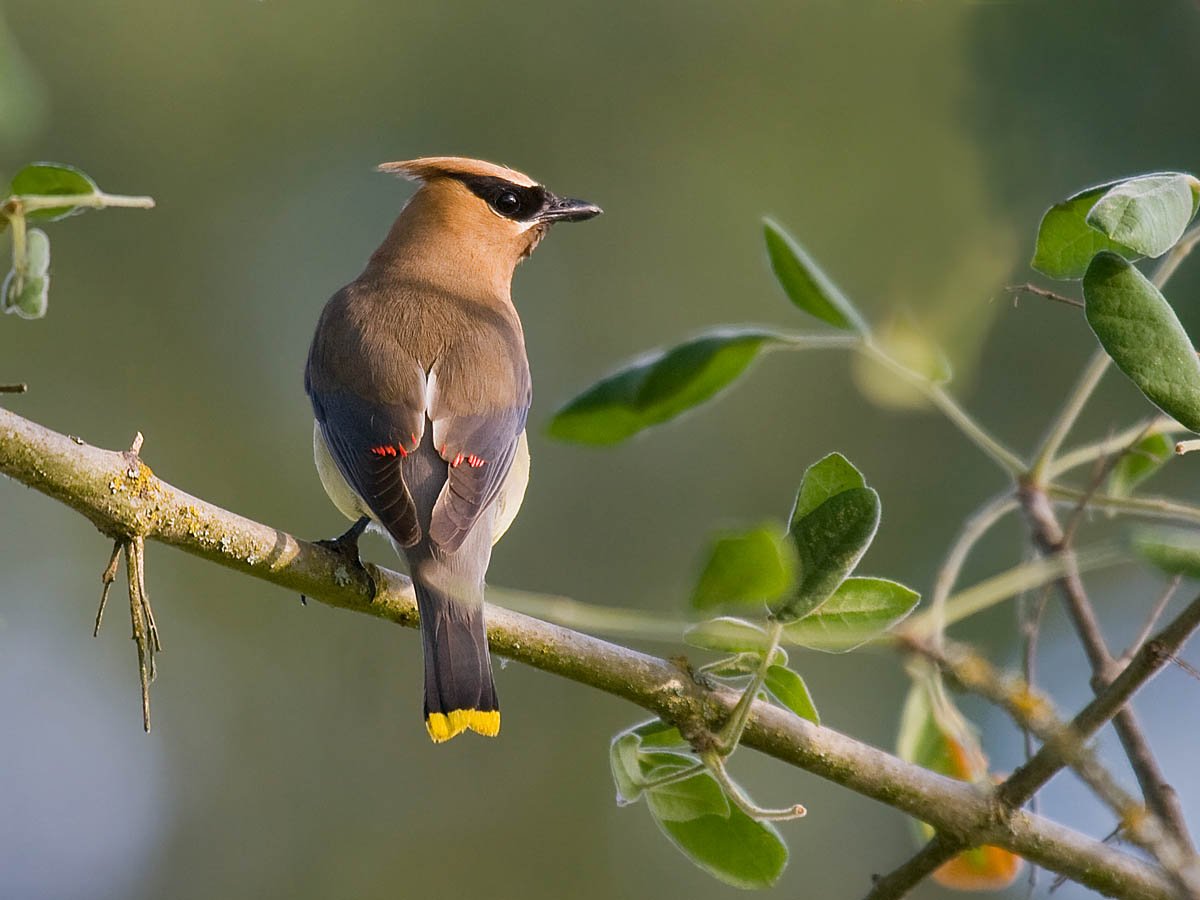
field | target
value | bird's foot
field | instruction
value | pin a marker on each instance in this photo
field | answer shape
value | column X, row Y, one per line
column 346, row 546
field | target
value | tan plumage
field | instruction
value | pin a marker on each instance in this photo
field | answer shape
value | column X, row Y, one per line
column 420, row 387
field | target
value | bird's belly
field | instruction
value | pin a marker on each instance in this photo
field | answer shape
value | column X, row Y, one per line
column 508, row 501
column 348, row 502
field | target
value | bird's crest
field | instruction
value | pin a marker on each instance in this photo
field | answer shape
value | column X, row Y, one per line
column 430, row 167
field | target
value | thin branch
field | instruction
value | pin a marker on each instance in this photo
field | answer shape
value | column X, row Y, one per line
column 1142, row 507
column 14, row 388
column 1089, row 453
column 973, row 530
column 1037, row 290
column 1022, row 786
column 96, row 483
column 1155, row 614
column 1049, row 538
column 940, row 849
column 1011, row 582
column 26, row 203
column 939, row 397
column 1147, row 662
column 1065, row 421
column 1034, row 711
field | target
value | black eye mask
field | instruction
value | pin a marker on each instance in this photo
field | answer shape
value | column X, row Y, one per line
column 513, row 201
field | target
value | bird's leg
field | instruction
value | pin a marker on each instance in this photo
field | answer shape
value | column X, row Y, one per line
column 346, row 546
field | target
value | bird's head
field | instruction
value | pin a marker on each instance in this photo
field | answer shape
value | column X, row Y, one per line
column 494, row 209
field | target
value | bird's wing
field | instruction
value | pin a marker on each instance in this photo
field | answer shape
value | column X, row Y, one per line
column 369, row 443
column 479, row 451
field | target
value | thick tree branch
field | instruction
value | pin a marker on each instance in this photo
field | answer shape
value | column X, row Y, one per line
column 124, row 499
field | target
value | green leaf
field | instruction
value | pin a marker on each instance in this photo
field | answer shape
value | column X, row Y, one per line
column 1147, row 214
column 1174, row 550
column 659, row 387
column 943, row 742
column 790, row 690
column 822, row 480
column 830, row 541
column 633, row 764
column 26, row 288
column 37, row 252
column 1142, row 334
column 52, row 179
column 747, row 568
column 626, row 771
column 1066, row 242
column 657, row 733
column 28, row 297
column 735, row 849
column 860, row 610
column 806, row 285
column 1142, row 460
column 682, row 801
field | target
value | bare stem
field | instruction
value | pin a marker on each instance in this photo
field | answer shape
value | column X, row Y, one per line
column 900, row 881
column 1035, row 712
column 1066, row 419
column 1143, row 507
column 973, row 530
column 729, row 736
column 716, row 765
column 1049, row 538
column 31, row 202
column 1089, row 453
column 938, row 396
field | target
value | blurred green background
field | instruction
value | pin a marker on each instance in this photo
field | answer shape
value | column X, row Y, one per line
column 910, row 145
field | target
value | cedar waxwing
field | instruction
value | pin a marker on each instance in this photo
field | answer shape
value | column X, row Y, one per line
column 420, row 387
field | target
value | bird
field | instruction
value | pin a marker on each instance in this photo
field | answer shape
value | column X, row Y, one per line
column 420, row 389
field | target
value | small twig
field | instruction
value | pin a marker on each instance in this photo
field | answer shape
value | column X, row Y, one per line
column 107, row 577
column 897, row 883
column 1101, row 470
column 1182, row 447
column 1086, row 453
column 1034, row 711
column 14, row 388
column 1148, row 507
column 1065, row 420
column 731, row 734
column 715, row 763
column 1149, row 659
column 1186, row 666
column 973, row 530
column 1022, row 786
column 684, row 774
column 135, row 551
column 1006, row 459
column 26, row 203
column 1030, row 288
column 1155, row 614
column 1048, row 537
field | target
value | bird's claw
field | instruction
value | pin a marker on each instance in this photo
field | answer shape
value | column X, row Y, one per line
column 346, row 546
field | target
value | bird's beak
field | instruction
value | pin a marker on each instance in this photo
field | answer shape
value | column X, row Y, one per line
column 563, row 209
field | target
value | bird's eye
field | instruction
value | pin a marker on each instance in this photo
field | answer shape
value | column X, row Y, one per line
column 506, row 203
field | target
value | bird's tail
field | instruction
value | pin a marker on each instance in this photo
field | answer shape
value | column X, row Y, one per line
column 459, row 691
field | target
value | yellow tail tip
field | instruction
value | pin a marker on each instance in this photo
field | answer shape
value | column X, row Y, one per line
column 443, row 726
